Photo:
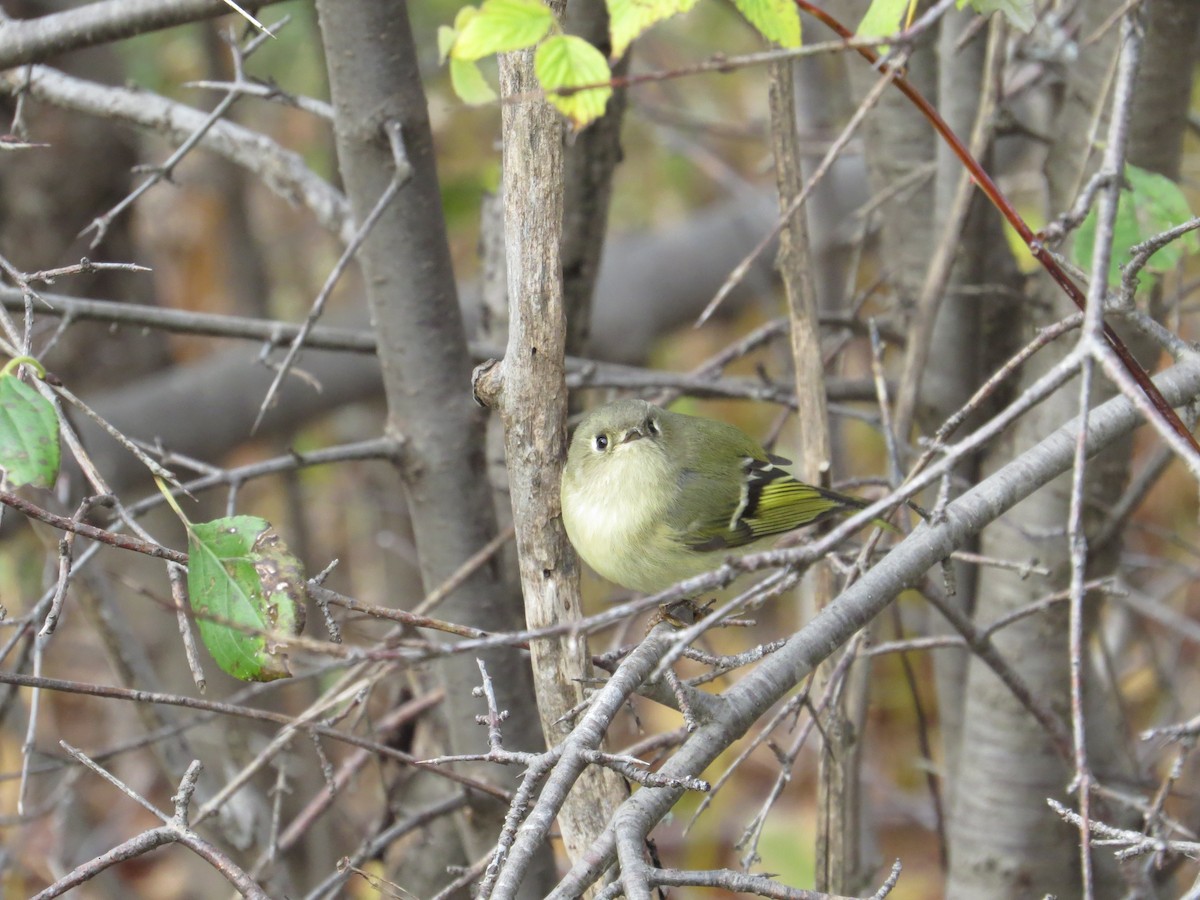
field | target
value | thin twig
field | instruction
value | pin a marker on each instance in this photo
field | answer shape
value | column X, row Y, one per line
column 403, row 173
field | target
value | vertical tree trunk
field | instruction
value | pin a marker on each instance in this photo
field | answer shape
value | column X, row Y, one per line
column 838, row 857
column 374, row 80
column 529, row 390
column 982, row 278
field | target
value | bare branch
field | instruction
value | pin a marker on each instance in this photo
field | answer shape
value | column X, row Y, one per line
column 35, row 40
column 282, row 171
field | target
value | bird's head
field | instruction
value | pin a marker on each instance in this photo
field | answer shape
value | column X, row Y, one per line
column 620, row 431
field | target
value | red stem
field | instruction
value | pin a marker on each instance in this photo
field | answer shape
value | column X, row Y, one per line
column 1001, row 203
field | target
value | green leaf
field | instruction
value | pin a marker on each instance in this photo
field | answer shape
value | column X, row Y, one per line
column 883, row 17
column 777, row 20
column 446, row 36
column 463, row 16
column 468, row 82
column 501, row 26
column 628, row 19
column 247, row 591
column 1021, row 14
column 566, row 61
column 1151, row 204
column 29, row 452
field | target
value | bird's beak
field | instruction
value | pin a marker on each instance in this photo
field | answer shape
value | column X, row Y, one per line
column 632, row 434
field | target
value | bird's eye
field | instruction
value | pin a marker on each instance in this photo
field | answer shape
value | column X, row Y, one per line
column 602, row 442
column 652, row 426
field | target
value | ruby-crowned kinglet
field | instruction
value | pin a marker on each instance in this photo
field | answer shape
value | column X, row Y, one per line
column 651, row 497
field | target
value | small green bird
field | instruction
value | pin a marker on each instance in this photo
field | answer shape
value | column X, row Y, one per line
column 651, row 497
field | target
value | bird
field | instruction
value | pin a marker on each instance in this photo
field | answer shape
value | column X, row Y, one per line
column 651, row 497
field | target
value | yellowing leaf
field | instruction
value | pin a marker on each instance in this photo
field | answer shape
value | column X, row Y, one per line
column 463, row 16
column 776, row 20
column 1020, row 13
column 566, row 61
column 884, row 17
column 627, row 19
column 446, row 36
column 468, row 82
column 501, row 26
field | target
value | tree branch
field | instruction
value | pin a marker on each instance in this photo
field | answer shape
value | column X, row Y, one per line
column 36, row 40
column 283, row 171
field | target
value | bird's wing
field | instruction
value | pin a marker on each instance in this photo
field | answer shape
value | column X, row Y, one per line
column 771, row 502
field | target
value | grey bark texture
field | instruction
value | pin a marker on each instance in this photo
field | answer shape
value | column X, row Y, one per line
column 528, row 389
column 423, row 355
column 590, row 163
column 982, row 280
column 35, row 40
column 838, row 855
column 898, row 145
